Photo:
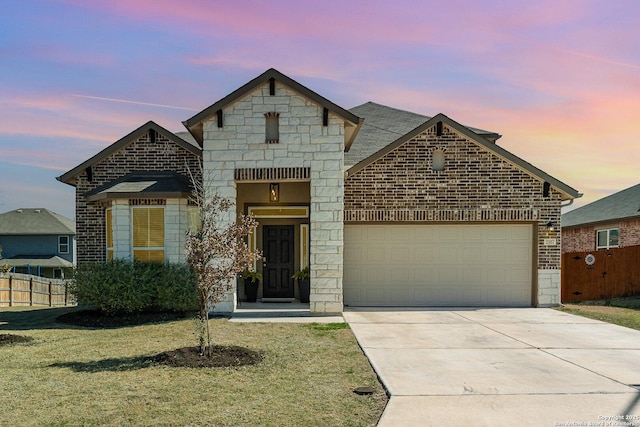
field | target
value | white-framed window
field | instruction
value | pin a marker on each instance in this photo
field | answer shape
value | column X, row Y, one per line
column 148, row 233
column 108, row 213
column 63, row 244
column 607, row 238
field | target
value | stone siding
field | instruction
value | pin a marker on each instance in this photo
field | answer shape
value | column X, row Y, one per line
column 475, row 186
column 303, row 143
column 140, row 155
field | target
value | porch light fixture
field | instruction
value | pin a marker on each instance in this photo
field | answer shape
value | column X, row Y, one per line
column 550, row 226
column 274, row 192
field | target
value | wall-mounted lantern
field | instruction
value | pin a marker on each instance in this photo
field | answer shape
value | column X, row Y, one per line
column 274, row 192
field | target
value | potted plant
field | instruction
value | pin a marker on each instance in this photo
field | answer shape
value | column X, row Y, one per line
column 304, row 285
column 251, row 281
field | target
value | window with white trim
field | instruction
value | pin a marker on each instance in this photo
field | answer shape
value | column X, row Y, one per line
column 63, row 244
column 148, row 234
column 606, row 239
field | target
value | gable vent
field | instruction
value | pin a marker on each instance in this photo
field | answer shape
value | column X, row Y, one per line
column 272, row 86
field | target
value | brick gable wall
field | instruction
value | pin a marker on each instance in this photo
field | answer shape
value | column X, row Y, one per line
column 140, row 155
column 476, row 186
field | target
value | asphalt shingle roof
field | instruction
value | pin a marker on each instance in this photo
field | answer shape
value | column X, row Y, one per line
column 623, row 204
column 52, row 261
column 144, row 183
column 382, row 126
column 35, row 221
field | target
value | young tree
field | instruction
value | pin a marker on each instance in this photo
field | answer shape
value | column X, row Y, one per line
column 216, row 251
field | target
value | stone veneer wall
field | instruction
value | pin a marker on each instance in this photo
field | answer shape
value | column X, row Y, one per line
column 140, row 155
column 475, row 186
column 303, row 143
column 583, row 239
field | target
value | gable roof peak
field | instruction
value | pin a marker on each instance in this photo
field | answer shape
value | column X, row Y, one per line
column 195, row 124
column 70, row 176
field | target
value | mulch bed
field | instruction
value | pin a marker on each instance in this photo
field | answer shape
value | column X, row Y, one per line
column 186, row 357
column 221, row 357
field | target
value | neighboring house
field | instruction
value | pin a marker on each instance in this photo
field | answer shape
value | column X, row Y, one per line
column 37, row 241
column 386, row 207
column 611, row 222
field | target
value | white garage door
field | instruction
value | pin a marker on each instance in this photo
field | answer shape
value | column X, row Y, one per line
column 438, row 265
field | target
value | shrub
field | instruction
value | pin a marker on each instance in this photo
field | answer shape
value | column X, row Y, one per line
column 176, row 290
column 124, row 286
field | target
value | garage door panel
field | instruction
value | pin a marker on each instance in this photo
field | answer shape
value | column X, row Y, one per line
column 520, row 254
column 438, row 265
column 472, row 254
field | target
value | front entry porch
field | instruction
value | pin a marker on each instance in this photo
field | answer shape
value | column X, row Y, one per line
column 282, row 235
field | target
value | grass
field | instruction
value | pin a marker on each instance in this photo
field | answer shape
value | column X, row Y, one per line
column 72, row 376
column 619, row 311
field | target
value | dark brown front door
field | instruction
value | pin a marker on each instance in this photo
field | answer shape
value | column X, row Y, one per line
column 277, row 268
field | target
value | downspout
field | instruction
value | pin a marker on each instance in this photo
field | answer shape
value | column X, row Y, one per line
column 568, row 204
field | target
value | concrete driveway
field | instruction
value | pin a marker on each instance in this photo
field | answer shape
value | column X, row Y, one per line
column 501, row 367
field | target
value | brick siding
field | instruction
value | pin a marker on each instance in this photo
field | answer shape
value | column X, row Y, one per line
column 475, row 186
column 140, row 155
column 583, row 239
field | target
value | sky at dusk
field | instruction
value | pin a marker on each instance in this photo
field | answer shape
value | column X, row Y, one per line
column 560, row 80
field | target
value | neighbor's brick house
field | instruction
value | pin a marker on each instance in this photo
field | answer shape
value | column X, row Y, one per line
column 385, row 206
column 611, row 222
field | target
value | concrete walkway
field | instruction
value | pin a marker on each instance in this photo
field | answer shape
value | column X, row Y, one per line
column 501, row 367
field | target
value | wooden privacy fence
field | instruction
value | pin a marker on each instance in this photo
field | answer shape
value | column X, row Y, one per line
column 600, row 274
column 25, row 289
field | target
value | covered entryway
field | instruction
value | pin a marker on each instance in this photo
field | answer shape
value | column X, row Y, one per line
column 438, row 265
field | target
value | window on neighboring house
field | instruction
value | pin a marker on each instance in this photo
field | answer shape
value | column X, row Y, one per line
column 272, row 132
column 109, row 233
column 57, row 273
column 606, row 239
column 148, row 234
column 63, row 244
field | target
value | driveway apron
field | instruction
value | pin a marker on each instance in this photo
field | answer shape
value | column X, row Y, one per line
column 500, row 367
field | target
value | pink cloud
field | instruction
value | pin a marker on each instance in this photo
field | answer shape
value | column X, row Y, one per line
column 58, row 131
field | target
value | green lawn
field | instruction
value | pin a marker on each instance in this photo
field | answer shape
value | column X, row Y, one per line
column 620, row 311
column 73, row 376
